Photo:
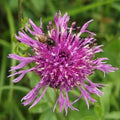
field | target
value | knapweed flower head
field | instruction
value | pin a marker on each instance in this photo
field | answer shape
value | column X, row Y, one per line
column 64, row 66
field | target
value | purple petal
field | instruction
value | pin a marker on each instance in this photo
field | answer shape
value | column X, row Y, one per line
column 38, row 99
column 35, row 28
column 22, row 72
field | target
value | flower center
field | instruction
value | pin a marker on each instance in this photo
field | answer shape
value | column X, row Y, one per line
column 63, row 56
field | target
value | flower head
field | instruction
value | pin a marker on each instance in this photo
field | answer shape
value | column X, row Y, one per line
column 64, row 66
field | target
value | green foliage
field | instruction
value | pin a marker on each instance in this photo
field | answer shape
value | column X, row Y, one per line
column 24, row 23
column 105, row 100
column 38, row 5
column 107, row 27
column 113, row 116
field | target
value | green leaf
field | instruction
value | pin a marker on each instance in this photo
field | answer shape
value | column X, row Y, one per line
column 51, row 94
column 114, row 102
column 88, row 118
column 117, row 85
column 105, row 99
column 41, row 107
column 114, row 57
column 48, row 115
column 75, row 92
column 113, row 115
column 112, row 54
column 18, row 112
column 34, row 78
column 82, row 113
column 98, row 111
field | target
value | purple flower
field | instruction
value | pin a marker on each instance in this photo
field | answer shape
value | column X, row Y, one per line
column 65, row 66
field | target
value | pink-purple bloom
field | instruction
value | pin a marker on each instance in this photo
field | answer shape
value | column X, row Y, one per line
column 65, row 66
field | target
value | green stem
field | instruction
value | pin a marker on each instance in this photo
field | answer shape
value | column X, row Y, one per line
column 13, row 62
column 4, row 43
column 12, row 31
column 20, row 13
column 19, row 88
column 3, row 70
column 18, row 112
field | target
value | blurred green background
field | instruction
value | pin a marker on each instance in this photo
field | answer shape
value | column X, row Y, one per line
column 106, row 24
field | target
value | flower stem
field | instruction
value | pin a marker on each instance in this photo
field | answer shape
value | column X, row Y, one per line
column 12, row 31
column 19, row 13
column 3, row 70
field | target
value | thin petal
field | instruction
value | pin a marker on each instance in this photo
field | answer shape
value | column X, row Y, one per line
column 38, row 99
